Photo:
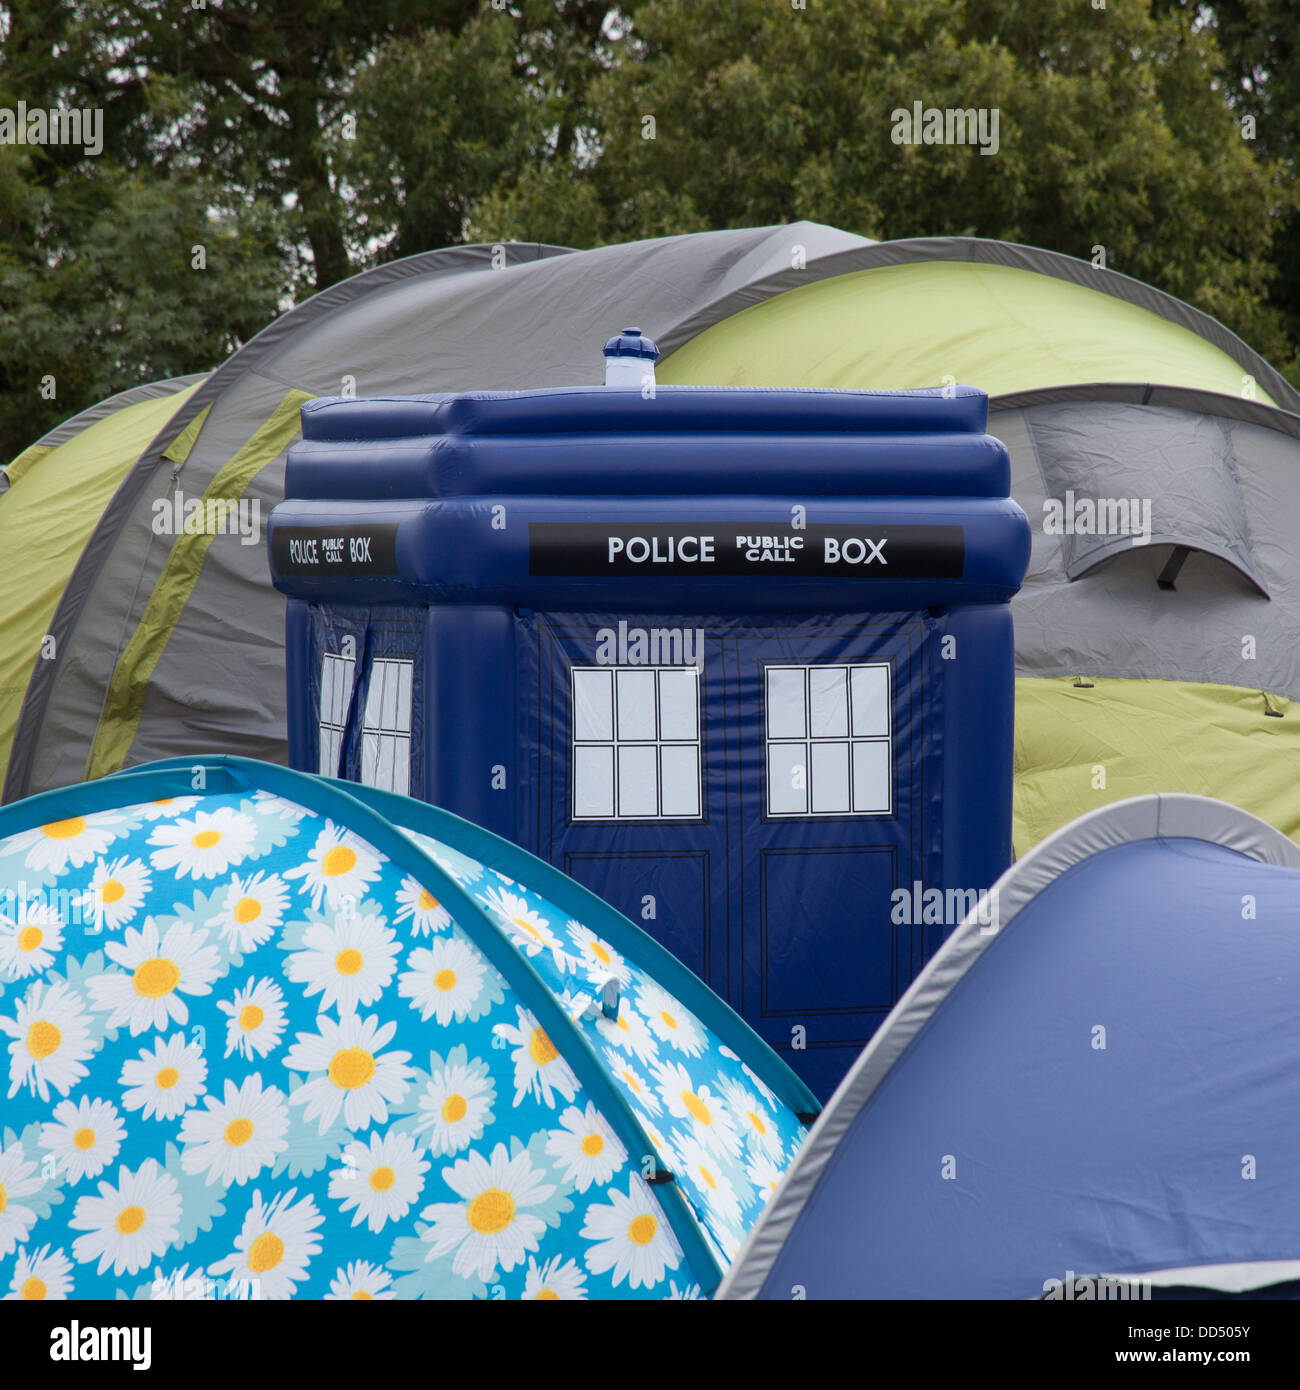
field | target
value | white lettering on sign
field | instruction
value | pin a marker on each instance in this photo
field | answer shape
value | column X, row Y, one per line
column 772, row 550
column 854, row 551
column 303, row 552
column 662, row 550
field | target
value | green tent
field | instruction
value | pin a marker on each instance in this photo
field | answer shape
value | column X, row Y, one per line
column 1166, row 665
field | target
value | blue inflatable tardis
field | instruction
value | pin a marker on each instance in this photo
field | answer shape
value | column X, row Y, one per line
column 740, row 661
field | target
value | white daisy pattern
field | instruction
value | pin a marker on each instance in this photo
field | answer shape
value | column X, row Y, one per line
column 417, row 907
column 130, row 1223
column 340, row 865
column 555, row 1280
column 586, row 1147
column 232, row 1139
column 456, row 1104
column 163, row 1081
column 361, row 1282
column 84, row 1137
column 491, row 1227
column 63, row 844
column 356, row 1076
column 275, row 1245
column 19, row 1178
column 251, row 1055
column 255, row 1019
column 348, row 963
column 31, row 942
column 446, row 981
column 205, row 846
column 157, row 969
column 540, row 1070
column 118, row 889
column 51, row 1040
column 631, row 1237
column 252, row 908
column 40, row 1276
column 379, row 1181
column 669, row 1020
column 530, row 931
column 597, row 958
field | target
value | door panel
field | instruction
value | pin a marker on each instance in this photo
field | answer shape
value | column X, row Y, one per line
column 753, row 811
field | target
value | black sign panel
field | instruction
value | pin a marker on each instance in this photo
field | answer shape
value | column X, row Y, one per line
column 868, row 551
column 321, row 552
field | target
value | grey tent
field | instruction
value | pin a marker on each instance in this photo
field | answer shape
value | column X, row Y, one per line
column 1168, row 664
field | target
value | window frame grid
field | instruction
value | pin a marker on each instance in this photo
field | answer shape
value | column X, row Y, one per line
column 328, row 725
column 849, row 740
column 616, row 745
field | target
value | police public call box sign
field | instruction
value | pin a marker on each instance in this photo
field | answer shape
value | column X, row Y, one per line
column 569, row 548
column 352, row 549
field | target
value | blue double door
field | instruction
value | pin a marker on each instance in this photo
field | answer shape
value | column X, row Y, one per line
column 752, row 795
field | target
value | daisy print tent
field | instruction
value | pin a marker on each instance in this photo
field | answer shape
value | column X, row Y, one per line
column 269, row 1038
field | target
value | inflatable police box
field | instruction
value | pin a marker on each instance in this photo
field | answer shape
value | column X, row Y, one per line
column 738, row 660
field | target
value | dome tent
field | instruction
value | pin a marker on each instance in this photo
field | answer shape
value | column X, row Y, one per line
column 1102, row 387
column 321, row 1046
column 1101, row 1082
column 51, row 498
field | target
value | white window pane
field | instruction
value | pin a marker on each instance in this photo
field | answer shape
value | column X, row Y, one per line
column 830, row 777
column 680, row 779
column 785, row 702
column 389, row 714
column 370, row 759
column 327, row 682
column 593, row 782
column 593, row 704
column 344, row 671
column 871, row 782
column 679, row 704
column 401, row 766
column 787, row 779
column 636, row 704
column 828, row 696
column 329, row 753
column 405, row 676
column 870, row 701
column 638, row 780
column 374, row 715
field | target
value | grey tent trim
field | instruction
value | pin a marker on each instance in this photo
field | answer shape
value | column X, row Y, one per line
column 453, row 260
column 1157, row 816
column 1191, row 399
column 76, row 424
column 147, row 391
column 911, row 250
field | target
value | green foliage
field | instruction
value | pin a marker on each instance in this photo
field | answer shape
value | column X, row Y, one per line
column 297, row 144
column 1114, row 132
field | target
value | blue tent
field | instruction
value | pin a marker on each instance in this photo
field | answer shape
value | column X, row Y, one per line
column 270, row 1038
column 1094, row 1086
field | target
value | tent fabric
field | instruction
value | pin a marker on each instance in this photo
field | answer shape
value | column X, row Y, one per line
column 1009, row 328
column 51, row 509
column 525, row 316
column 319, row 1049
column 121, row 718
column 1081, row 744
column 69, row 429
column 1096, row 1076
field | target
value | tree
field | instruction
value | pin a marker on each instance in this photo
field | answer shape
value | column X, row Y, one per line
column 1114, row 132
